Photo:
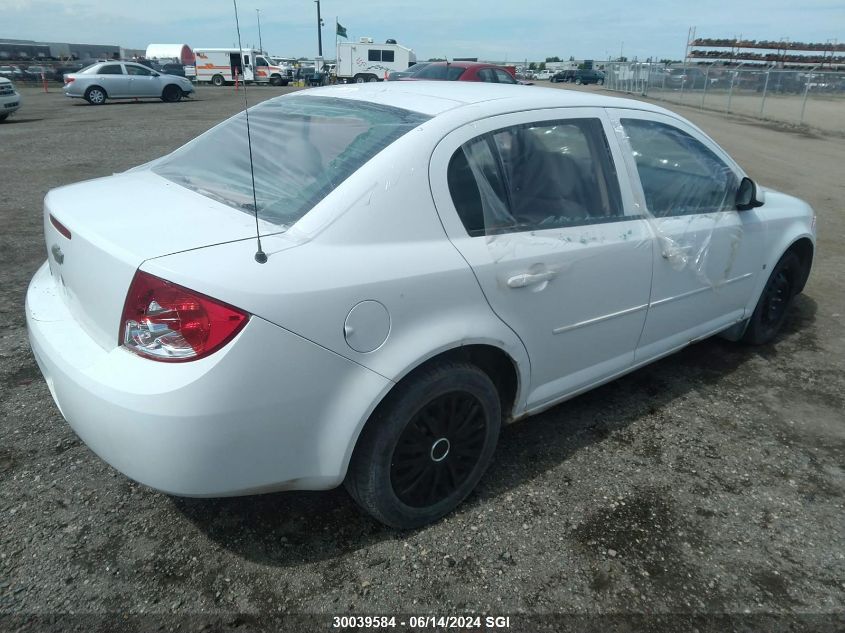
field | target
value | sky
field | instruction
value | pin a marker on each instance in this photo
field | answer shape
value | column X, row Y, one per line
column 512, row 31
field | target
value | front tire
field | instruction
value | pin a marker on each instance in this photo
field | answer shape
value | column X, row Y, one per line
column 4, row 116
column 360, row 79
column 427, row 446
column 171, row 94
column 95, row 95
column 771, row 310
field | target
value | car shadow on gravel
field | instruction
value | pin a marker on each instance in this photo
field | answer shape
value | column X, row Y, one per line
column 293, row 528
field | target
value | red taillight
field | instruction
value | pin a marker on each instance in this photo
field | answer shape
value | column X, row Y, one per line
column 61, row 228
column 69, row 80
column 167, row 322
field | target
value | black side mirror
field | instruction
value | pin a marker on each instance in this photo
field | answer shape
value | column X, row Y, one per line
column 747, row 196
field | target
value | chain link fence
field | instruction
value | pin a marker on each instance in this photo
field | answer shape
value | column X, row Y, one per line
column 815, row 98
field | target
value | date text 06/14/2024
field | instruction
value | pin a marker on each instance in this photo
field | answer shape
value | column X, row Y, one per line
column 468, row 622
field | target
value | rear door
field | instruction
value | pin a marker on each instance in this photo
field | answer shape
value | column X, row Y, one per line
column 113, row 78
column 535, row 203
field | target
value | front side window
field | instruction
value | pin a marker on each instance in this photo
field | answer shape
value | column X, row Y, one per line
column 679, row 175
column 535, row 176
column 302, row 148
column 138, row 70
column 110, row 69
column 260, row 61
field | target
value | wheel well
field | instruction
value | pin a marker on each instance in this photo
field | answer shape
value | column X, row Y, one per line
column 90, row 88
column 494, row 362
column 804, row 249
column 169, row 86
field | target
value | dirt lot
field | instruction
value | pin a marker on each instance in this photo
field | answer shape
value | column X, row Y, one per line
column 710, row 482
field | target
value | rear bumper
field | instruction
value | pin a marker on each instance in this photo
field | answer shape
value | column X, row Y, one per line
column 270, row 411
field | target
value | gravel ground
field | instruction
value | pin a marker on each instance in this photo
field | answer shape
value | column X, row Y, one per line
column 708, row 483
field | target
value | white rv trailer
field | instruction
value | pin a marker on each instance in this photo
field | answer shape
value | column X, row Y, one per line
column 364, row 61
column 219, row 66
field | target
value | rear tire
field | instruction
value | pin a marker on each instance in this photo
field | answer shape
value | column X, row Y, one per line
column 360, row 79
column 771, row 310
column 171, row 94
column 218, row 80
column 578, row 81
column 372, row 78
column 4, row 116
column 426, row 446
column 95, row 95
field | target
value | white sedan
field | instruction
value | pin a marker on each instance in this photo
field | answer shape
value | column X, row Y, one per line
column 124, row 80
column 441, row 258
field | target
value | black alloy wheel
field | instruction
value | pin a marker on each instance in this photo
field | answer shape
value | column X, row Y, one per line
column 772, row 307
column 438, row 450
column 426, row 446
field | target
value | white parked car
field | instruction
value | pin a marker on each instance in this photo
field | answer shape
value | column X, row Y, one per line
column 124, row 80
column 10, row 99
column 441, row 258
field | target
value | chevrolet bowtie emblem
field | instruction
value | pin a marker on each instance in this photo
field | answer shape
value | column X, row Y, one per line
column 58, row 255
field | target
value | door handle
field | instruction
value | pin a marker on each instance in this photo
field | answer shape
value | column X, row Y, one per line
column 529, row 279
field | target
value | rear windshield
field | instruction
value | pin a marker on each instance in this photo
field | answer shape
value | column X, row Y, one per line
column 302, row 148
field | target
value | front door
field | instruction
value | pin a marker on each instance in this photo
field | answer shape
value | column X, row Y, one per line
column 533, row 202
column 707, row 254
column 143, row 82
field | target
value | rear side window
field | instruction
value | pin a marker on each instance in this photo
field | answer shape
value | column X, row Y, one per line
column 302, row 146
column 441, row 72
column 387, row 56
column 503, row 77
column 679, row 174
column 374, row 55
column 535, row 176
column 110, row 69
column 486, row 74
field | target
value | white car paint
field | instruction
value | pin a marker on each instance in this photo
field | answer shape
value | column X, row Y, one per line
column 10, row 99
column 282, row 405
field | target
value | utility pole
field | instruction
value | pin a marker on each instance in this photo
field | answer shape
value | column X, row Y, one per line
column 258, row 15
column 319, row 31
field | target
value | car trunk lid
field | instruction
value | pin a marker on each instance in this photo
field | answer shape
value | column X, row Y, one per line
column 114, row 225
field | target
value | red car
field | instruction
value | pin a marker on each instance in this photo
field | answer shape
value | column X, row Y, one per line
column 464, row 71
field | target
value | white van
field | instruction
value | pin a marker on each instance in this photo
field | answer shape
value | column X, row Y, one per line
column 218, row 66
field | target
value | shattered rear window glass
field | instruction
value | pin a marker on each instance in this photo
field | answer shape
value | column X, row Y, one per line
column 302, row 148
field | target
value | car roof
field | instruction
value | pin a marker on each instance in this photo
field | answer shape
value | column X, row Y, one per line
column 462, row 64
column 436, row 97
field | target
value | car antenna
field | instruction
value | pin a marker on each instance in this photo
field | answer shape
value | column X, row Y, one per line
column 260, row 255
